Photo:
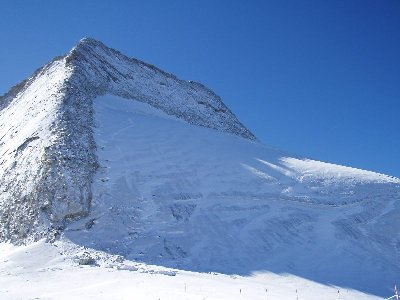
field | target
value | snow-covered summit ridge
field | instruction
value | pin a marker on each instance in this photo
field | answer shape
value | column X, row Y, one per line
column 108, row 71
column 99, row 70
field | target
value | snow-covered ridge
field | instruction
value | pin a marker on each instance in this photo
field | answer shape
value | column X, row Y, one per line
column 98, row 69
column 106, row 70
column 30, row 128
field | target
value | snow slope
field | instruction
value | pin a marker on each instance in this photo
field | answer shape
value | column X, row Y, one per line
column 29, row 127
column 172, row 194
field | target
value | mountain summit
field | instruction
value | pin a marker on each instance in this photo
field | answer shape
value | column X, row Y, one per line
column 115, row 155
column 47, row 146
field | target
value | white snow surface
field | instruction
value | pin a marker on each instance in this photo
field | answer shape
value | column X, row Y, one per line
column 27, row 129
column 26, row 123
column 52, row 271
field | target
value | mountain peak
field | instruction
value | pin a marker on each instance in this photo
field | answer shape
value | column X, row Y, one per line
column 87, row 43
column 107, row 70
column 48, row 147
column 88, row 40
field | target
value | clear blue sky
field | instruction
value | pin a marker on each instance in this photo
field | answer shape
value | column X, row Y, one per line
column 316, row 78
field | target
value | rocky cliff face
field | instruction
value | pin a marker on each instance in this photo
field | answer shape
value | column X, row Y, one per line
column 46, row 140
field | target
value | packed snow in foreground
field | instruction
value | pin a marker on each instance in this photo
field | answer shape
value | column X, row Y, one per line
column 45, row 271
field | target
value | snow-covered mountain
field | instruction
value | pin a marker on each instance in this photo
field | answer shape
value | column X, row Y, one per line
column 112, row 154
column 47, row 149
